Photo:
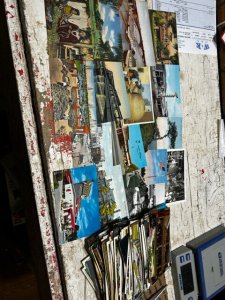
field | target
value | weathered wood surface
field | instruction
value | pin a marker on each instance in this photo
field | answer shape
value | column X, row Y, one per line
column 205, row 194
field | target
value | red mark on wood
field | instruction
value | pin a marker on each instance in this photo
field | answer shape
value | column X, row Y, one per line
column 43, row 212
column 20, row 55
column 9, row 14
column 64, row 142
column 202, row 171
column 20, row 72
column 12, row 6
column 17, row 37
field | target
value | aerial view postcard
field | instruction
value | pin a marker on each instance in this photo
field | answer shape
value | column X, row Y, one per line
column 136, row 34
column 166, row 90
column 76, row 202
column 164, row 31
column 175, row 188
column 165, row 133
column 138, row 85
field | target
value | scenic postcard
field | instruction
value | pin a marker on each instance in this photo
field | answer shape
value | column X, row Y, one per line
column 164, row 31
column 175, row 188
column 76, row 202
column 136, row 34
column 156, row 170
column 166, row 90
column 138, row 85
column 165, row 133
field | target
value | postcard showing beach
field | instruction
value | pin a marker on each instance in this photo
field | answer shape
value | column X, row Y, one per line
column 76, row 202
column 166, row 91
column 136, row 34
column 138, row 85
column 164, row 31
column 165, row 133
column 175, row 188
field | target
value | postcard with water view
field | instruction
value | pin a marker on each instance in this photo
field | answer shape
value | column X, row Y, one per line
column 164, row 31
column 76, row 203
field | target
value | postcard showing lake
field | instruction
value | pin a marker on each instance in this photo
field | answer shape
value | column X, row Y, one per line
column 76, row 202
column 175, row 188
column 166, row 91
column 138, row 85
column 164, row 31
column 136, row 34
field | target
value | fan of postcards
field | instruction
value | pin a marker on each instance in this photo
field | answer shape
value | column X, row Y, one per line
column 115, row 85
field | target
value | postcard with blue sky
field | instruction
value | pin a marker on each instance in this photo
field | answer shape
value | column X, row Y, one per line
column 165, row 133
column 156, row 170
column 106, row 33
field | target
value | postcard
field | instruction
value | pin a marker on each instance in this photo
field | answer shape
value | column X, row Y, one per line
column 136, row 34
column 111, row 96
column 76, row 202
column 165, row 133
column 167, row 100
column 156, row 170
column 164, row 31
column 138, row 85
column 105, row 30
column 175, row 188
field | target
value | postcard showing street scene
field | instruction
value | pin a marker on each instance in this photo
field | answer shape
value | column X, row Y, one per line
column 136, row 34
column 164, row 31
column 175, row 188
column 76, row 202
column 166, row 91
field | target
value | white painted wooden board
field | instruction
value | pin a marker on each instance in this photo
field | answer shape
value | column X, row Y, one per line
column 204, row 207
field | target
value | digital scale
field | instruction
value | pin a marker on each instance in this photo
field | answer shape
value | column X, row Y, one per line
column 199, row 268
column 184, row 274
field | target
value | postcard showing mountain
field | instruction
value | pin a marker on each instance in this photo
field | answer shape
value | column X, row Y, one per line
column 175, row 188
column 166, row 91
column 76, row 202
column 69, row 30
column 111, row 97
column 136, row 34
column 105, row 25
column 157, row 169
column 138, row 85
column 164, row 31
column 165, row 133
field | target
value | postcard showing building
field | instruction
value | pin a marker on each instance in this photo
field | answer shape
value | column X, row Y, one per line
column 105, row 29
column 76, row 202
column 165, row 133
column 157, row 169
column 166, row 91
column 69, row 30
column 136, row 34
column 111, row 95
column 164, row 31
column 138, row 85
column 175, row 188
